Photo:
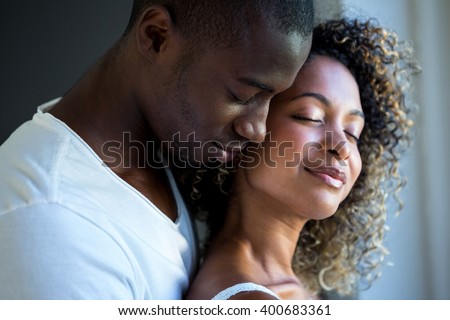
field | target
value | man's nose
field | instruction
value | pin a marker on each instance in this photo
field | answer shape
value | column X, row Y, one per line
column 252, row 125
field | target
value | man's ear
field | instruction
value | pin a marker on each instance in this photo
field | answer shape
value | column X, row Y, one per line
column 153, row 30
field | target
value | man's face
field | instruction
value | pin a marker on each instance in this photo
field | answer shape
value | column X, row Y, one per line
column 220, row 101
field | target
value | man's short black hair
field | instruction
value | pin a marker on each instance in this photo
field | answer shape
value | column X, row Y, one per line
column 224, row 22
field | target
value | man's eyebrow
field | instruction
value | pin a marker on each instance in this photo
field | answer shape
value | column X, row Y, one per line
column 324, row 100
column 256, row 84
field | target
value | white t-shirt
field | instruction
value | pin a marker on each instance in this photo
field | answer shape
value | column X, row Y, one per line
column 70, row 228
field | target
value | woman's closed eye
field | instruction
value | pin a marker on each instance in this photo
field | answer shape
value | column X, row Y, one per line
column 303, row 118
column 353, row 136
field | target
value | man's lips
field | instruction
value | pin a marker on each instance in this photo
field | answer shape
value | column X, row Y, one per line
column 228, row 152
column 229, row 147
column 331, row 175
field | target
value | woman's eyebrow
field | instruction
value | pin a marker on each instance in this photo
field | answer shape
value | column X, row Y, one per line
column 317, row 96
column 325, row 101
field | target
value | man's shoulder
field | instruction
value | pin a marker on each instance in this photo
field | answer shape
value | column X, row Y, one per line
column 33, row 141
column 27, row 161
column 30, row 162
column 43, row 160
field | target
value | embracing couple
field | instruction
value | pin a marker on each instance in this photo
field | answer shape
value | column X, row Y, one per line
column 286, row 135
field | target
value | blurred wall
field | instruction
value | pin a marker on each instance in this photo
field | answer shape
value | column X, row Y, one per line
column 430, row 27
column 46, row 46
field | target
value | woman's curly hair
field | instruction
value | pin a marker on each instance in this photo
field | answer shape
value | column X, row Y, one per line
column 337, row 253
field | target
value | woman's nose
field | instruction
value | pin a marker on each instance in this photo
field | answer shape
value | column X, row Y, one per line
column 336, row 143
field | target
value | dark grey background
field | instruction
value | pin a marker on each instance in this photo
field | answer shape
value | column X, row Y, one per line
column 46, row 45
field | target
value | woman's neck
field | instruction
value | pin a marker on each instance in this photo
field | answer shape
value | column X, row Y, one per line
column 262, row 231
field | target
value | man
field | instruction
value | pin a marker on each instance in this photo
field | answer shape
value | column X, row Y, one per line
column 88, row 208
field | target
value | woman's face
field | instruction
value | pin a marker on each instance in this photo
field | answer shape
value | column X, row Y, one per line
column 310, row 159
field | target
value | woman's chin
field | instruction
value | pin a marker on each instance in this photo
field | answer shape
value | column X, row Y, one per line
column 325, row 213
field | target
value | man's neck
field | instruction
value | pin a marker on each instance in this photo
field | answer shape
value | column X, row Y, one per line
column 101, row 109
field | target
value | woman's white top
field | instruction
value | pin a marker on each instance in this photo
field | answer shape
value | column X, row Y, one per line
column 242, row 287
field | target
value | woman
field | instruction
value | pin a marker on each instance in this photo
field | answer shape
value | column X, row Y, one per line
column 306, row 211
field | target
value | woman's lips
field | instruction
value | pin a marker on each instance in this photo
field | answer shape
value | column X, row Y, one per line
column 333, row 177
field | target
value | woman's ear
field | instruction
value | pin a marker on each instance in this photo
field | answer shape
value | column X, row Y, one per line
column 153, row 31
